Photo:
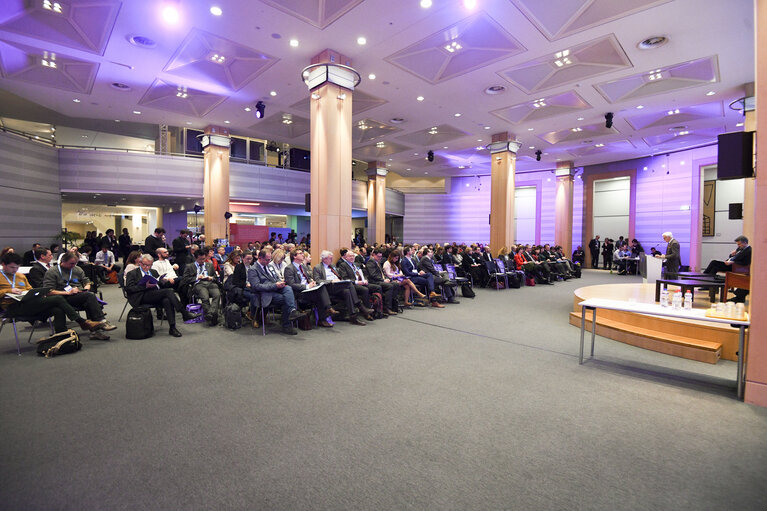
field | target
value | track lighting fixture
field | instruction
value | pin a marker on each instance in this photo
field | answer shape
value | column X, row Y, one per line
column 538, row 155
column 430, row 156
column 260, row 110
column 609, row 120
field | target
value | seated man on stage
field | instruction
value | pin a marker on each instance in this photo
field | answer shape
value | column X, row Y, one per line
column 325, row 272
column 69, row 281
column 155, row 291
column 740, row 256
column 299, row 277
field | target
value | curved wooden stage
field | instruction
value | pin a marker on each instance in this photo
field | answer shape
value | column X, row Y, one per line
column 696, row 340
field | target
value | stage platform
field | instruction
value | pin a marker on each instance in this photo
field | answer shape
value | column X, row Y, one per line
column 690, row 339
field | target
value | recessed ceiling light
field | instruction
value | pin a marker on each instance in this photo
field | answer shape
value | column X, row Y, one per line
column 531, row 147
column 247, row 109
column 117, row 120
column 739, row 125
column 457, row 114
column 216, row 11
column 530, row 129
column 294, row 43
column 273, row 93
column 170, row 14
column 495, row 89
column 407, row 169
column 710, row 93
column 639, row 107
column 415, row 154
column 425, row 4
column 76, row 100
column 479, row 140
column 462, row 167
column 119, row 86
column 487, row 127
column 652, row 42
column 189, row 122
column 470, row 4
column 226, row 122
column 137, row 112
column 580, row 118
column 444, row 147
column 371, row 76
column 479, row 148
column 425, row 172
column 362, row 41
column 396, row 120
column 419, row 98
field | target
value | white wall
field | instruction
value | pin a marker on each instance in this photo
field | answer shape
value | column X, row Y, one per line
column 525, row 208
column 725, row 230
column 612, row 206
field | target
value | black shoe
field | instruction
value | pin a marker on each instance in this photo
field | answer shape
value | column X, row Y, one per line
column 174, row 331
column 354, row 320
column 99, row 335
column 188, row 315
column 295, row 314
column 453, row 301
column 289, row 330
column 213, row 320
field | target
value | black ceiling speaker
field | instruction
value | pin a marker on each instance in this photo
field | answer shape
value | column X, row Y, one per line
column 609, row 120
column 735, row 155
column 430, row 156
column 538, row 155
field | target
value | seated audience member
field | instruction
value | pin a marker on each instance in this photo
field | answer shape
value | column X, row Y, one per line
column 201, row 276
column 622, row 259
column 389, row 289
column 149, row 293
column 561, row 257
column 41, row 265
column 131, row 262
column 105, row 262
column 221, row 255
column 472, row 266
column 654, row 252
column 231, row 262
column 14, row 283
column 29, row 255
column 210, row 257
column 6, row 250
column 271, row 290
column 560, row 267
column 740, row 256
column 426, row 264
column 326, row 272
column 527, row 262
column 419, row 277
column 165, row 269
column 55, row 251
column 154, row 241
column 69, row 281
column 348, row 270
column 579, row 256
column 238, row 288
column 636, row 248
column 393, row 271
column 298, row 276
column 279, row 262
column 541, row 264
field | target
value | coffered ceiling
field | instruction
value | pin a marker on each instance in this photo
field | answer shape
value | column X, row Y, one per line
column 556, row 67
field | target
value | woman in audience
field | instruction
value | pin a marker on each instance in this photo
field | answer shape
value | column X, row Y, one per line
column 278, row 262
column 6, row 250
column 131, row 263
column 393, row 271
column 235, row 258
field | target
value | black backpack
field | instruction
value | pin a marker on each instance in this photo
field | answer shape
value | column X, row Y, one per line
column 233, row 317
column 139, row 323
column 467, row 291
column 515, row 279
column 59, row 344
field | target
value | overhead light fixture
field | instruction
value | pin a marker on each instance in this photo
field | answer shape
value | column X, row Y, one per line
column 457, row 115
column 639, row 107
column 739, row 125
column 294, row 43
column 380, row 144
column 181, row 92
column 673, row 112
column 52, row 6
column 137, row 112
column 260, row 110
column 48, row 60
column 538, row 155
column 538, row 103
column 247, row 109
column 562, row 58
column 599, row 145
column 655, row 75
column 433, row 131
column 216, row 11
column 76, row 100
column 170, row 12
column 462, row 167
column 530, row 129
column 575, row 130
column 273, row 93
column 227, row 122
column 419, row 98
column 362, row 41
column 470, row 4
column 425, row 4
column 287, row 119
column 218, row 59
column 479, row 148
column 487, row 127
column 609, row 120
column 579, row 119
column 652, row 42
column 531, row 147
column 315, row 95
column 453, row 47
column 710, row 93
column 371, row 76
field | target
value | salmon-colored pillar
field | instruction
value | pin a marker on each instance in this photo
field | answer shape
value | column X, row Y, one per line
column 215, row 192
column 503, row 153
column 377, row 202
column 756, row 354
column 331, row 81
column 563, row 206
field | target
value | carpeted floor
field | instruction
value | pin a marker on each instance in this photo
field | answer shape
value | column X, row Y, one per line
column 481, row 405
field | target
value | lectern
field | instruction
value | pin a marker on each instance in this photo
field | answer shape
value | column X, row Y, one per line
column 650, row 267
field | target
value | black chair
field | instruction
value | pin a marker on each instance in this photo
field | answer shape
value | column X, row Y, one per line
column 121, row 285
column 494, row 272
column 7, row 318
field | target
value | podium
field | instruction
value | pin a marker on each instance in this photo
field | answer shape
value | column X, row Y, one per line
column 650, row 267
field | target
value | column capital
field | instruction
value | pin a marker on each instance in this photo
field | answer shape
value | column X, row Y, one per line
column 511, row 146
column 503, row 136
column 215, row 136
column 377, row 168
column 565, row 169
column 329, row 66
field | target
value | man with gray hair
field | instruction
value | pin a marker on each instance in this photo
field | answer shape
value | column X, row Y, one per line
column 328, row 274
column 672, row 256
column 741, row 256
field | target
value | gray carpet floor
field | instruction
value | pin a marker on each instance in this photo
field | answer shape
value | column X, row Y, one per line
column 481, row 405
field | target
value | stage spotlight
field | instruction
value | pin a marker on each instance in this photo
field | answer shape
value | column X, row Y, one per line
column 609, row 120
column 197, row 208
column 227, row 215
column 430, row 156
column 260, row 110
column 538, row 155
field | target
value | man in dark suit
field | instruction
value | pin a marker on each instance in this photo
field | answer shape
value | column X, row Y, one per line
column 473, row 267
column 594, row 249
column 201, row 276
column 389, row 288
column 672, row 255
column 348, row 270
column 29, row 255
column 40, row 267
column 419, row 277
column 298, row 276
column 741, row 256
column 124, row 244
column 181, row 249
column 154, row 294
column 327, row 273
column 426, row 264
column 154, row 241
column 271, row 290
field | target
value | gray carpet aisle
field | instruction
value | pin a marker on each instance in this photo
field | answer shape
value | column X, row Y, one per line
column 479, row 406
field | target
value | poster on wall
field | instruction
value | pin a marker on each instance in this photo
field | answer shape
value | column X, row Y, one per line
column 709, row 208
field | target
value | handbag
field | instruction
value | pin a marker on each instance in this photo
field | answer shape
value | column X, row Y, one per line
column 59, row 344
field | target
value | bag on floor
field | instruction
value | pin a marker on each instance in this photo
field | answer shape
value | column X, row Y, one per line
column 467, row 291
column 376, row 303
column 139, row 323
column 515, row 280
column 529, row 281
column 305, row 322
column 232, row 317
column 577, row 271
column 59, row 344
column 111, row 277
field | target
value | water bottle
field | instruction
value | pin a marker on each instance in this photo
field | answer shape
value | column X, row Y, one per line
column 677, row 300
column 664, row 297
column 688, row 300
